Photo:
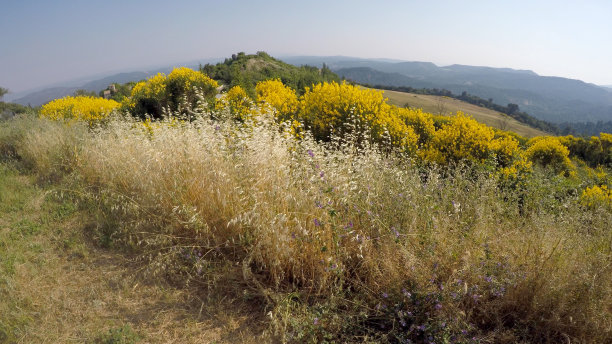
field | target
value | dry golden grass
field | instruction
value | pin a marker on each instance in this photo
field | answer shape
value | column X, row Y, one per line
column 58, row 287
column 339, row 242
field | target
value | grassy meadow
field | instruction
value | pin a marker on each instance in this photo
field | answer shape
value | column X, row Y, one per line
column 332, row 217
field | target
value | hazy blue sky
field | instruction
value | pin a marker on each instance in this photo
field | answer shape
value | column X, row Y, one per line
column 48, row 41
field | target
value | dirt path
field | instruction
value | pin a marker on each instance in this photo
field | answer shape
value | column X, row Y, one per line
column 57, row 286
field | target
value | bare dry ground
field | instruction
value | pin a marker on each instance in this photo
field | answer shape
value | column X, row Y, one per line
column 57, row 285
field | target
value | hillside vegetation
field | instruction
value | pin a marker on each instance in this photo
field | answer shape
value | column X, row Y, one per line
column 445, row 105
column 341, row 217
column 247, row 70
column 552, row 99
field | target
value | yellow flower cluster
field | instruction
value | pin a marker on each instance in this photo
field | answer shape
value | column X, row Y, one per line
column 549, row 151
column 463, row 138
column 170, row 92
column 596, row 196
column 505, row 148
column 89, row 109
column 333, row 107
column 239, row 103
column 185, row 79
column 274, row 96
column 154, row 88
column 517, row 172
column 422, row 123
column 336, row 109
column 330, row 107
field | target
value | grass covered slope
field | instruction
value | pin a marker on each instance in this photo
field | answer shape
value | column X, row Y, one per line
column 446, row 105
column 340, row 241
column 60, row 284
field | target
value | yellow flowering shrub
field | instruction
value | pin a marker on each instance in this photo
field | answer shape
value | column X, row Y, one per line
column 239, row 103
column 567, row 141
column 516, row 174
column 182, row 83
column 594, row 151
column 505, row 148
column 460, row 138
column 175, row 93
column 273, row 96
column 548, row 151
column 89, row 109
column 330, row 107
column 422, row 123
column 596, row 196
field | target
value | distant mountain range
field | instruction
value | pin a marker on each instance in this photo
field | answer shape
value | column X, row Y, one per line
column 48, row 94
column 552, row 99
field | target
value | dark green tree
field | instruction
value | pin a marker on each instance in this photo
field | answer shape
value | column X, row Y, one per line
column 512, row 108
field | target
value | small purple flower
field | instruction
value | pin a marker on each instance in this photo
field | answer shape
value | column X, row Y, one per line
column 488, row 279
column 438, row 306
column 385, row 295
column 316, row 321
column 403, row 323
column 321, row 174
column 311, row 153
column 421, row 328
column 334, row 266
column 317, row 223
column 406, row 293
